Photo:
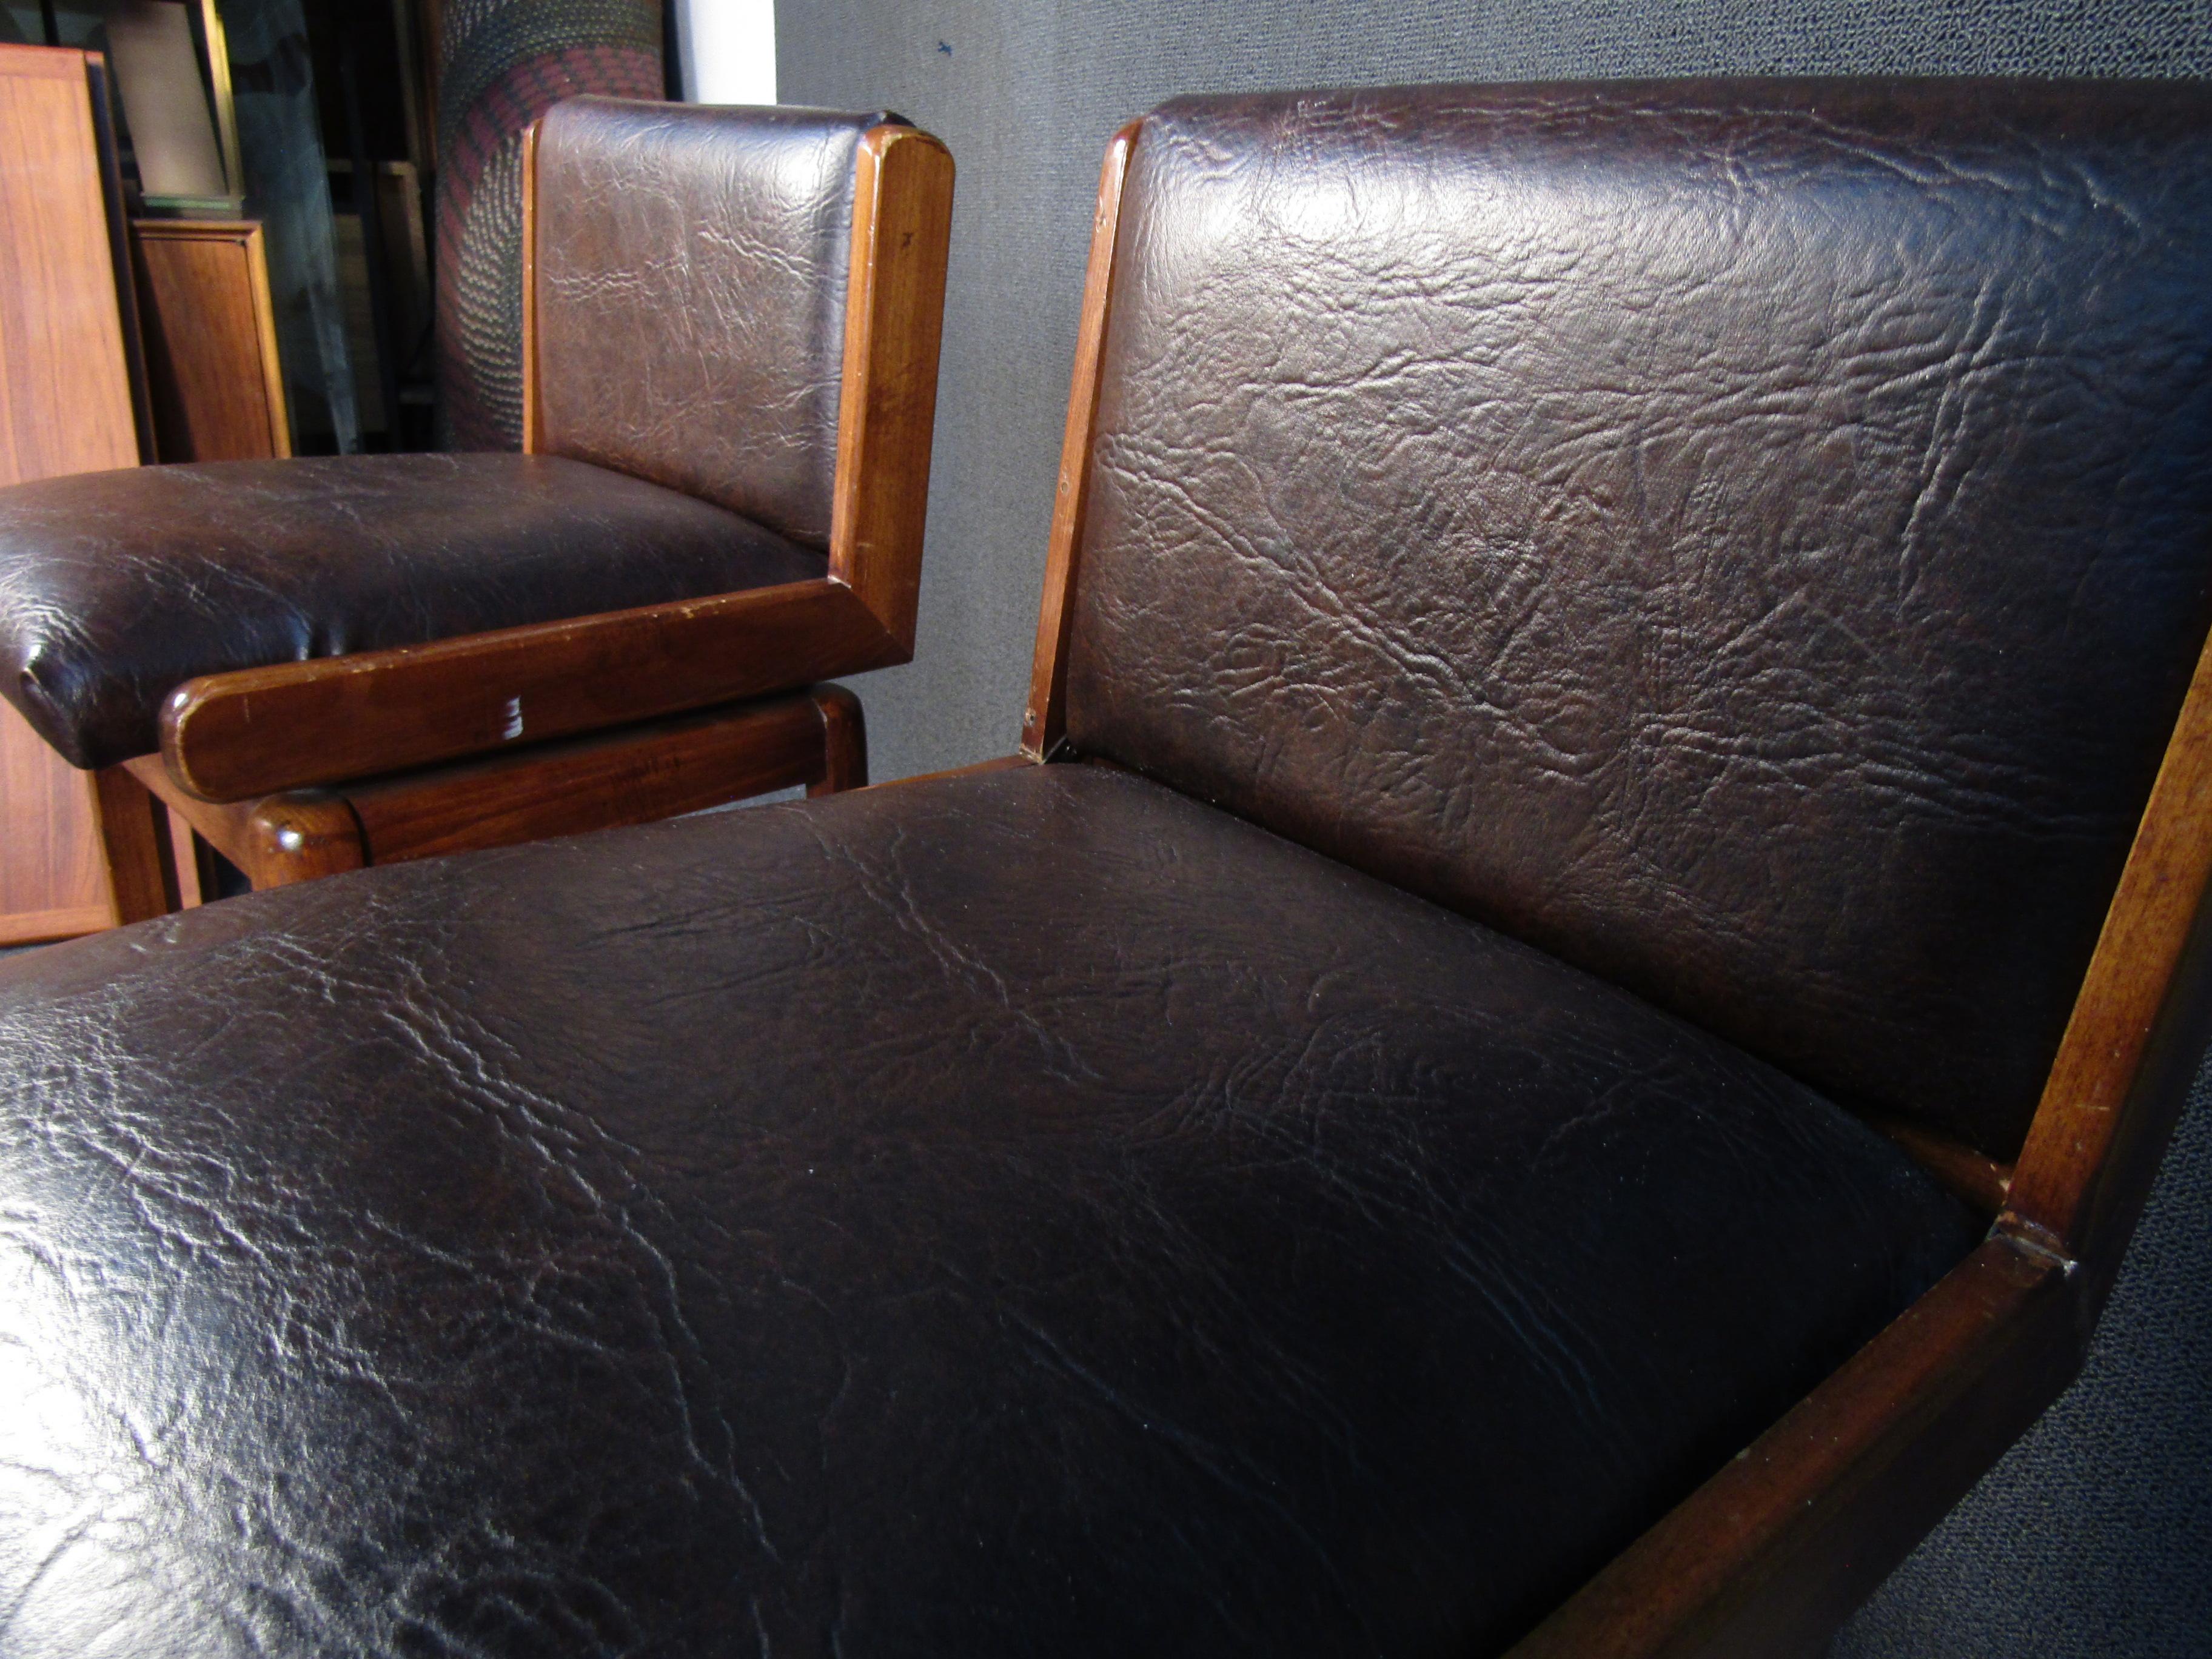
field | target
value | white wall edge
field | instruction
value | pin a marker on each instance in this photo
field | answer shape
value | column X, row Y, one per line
column 726, row 51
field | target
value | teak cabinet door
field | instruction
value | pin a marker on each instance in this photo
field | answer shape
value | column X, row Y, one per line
column 65, row 406
column 210, row 330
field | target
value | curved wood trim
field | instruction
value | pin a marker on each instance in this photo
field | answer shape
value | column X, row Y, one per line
column 1044, row 721
column 301, row 835
column 632, row 775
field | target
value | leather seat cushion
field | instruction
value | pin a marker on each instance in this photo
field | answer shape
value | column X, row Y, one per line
column 1747, row 538
column 116, row 587
column 1030, row 1213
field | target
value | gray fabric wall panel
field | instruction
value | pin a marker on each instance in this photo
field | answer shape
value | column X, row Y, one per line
column 2095, row 1535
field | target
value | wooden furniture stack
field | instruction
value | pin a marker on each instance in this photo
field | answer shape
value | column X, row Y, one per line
column 66, row 406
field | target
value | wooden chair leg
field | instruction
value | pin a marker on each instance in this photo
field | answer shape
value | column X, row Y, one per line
column 206, row 869
column 298, row 835
column 190, row 852
column 134, row 841
column 844, row 741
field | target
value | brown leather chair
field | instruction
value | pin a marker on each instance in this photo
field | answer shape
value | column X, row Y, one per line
column 1554, row 1040
column 731, row 335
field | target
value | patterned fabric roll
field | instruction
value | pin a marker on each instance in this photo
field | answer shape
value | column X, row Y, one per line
column 502, row 63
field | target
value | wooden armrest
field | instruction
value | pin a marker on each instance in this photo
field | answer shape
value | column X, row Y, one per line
column 231, row 737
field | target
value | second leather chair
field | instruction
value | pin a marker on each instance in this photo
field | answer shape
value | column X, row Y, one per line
column 730, row 335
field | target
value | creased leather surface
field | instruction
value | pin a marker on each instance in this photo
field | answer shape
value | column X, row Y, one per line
column 1750, row 538
column 116, row 587
column 1026, row 1213
column 692, row 266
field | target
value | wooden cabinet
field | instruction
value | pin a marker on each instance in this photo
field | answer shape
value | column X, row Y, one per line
column 210, row 333
column 66, row 406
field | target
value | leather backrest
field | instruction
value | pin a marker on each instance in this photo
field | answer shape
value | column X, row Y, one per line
column 691, row 270
column 1750, row 539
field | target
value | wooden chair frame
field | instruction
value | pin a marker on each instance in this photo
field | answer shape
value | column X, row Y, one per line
column 815, row 739
column 247, row 742
column 1776, row 1549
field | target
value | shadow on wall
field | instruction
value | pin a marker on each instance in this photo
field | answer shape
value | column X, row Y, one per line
column 2094, row 1536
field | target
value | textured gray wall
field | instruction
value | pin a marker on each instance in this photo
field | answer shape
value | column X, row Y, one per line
column 2095, row 1535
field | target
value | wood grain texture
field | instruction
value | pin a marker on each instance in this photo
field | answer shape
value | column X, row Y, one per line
column 276, row 840
column 66, row 406
column 195, row 874
column 844, row 742
column 1044, row 721
column 65, row 403
column 49, row 856
column 228, row 736
column 2070, row 1179
column 100, row 86
column 1772, row 1553
column 134, row 842
column 210, row 333
column 634, row 775
column 44, row 927
column 887, row 400
column 217, row 824
column 298, row 835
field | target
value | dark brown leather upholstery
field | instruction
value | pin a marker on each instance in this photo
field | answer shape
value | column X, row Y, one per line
column 1022, row 1214
column 1038, row 1212
column 116, row 587
column 1748, row 538
column 691, row 270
